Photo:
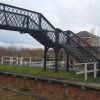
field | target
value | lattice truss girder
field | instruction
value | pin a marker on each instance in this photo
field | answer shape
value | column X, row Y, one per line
column 21, row 18
column 62, row 38
column 18, row 17
column 16, row 20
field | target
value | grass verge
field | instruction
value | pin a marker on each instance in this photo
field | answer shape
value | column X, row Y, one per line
column 49, row 73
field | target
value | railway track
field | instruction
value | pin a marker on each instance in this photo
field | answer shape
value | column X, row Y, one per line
column 14, row 94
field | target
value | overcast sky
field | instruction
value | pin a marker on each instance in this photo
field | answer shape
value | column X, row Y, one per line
column 75, row 15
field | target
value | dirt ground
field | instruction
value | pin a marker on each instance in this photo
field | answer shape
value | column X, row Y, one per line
column 11, row 95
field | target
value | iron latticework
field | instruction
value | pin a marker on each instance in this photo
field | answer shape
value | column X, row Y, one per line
column 35, row 24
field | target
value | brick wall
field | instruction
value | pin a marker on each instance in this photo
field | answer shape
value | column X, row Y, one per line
column 52, row 91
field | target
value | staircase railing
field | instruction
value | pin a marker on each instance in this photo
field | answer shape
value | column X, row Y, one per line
column 73, row 46
column 22, row 20
column 84, row 44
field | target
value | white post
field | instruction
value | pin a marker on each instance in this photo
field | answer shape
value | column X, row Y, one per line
column 85, row 69
column 30, row 62
column 10, row 61
column 95, row 70
column 49, row 63
column 16, row 60
column 20, row 60
column 1, row 60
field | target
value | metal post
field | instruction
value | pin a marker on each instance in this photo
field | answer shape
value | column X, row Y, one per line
column 45, row 51
column 5, row 14
column 27, row 22
column 39, row 21
column 56, row 48
column 56, row 59
column 68, row 43
column 67, row 67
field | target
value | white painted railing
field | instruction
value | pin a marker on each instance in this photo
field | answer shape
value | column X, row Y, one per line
column 23, row 62
column 85, row 70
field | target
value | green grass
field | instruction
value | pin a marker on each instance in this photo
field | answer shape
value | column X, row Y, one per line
column 40, row 72
column 49, row 73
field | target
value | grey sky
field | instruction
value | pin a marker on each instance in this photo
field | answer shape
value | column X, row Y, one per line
column 75, row 15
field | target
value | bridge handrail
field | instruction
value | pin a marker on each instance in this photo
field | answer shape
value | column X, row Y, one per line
column 84, row 41
column 95, row 50
column 80, row 45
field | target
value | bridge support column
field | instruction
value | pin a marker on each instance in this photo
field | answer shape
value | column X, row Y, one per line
column 45, row 52
column 67, row 65
column 68, row 43
column 56, row 59
column 56, row 48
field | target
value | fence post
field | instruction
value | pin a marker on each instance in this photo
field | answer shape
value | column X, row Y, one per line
column 10, row 61
column 30, row 61
column 85, row 69
column 1, row 60
column 16, row 60
column 95, row 70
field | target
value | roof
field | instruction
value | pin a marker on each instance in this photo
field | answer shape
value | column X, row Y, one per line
column 86, row 34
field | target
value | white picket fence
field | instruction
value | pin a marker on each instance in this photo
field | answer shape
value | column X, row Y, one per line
column 25, row 61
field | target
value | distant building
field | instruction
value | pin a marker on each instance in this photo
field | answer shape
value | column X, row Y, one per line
column 90, row 38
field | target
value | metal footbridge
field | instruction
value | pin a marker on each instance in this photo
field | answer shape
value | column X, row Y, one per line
column 35, row 24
